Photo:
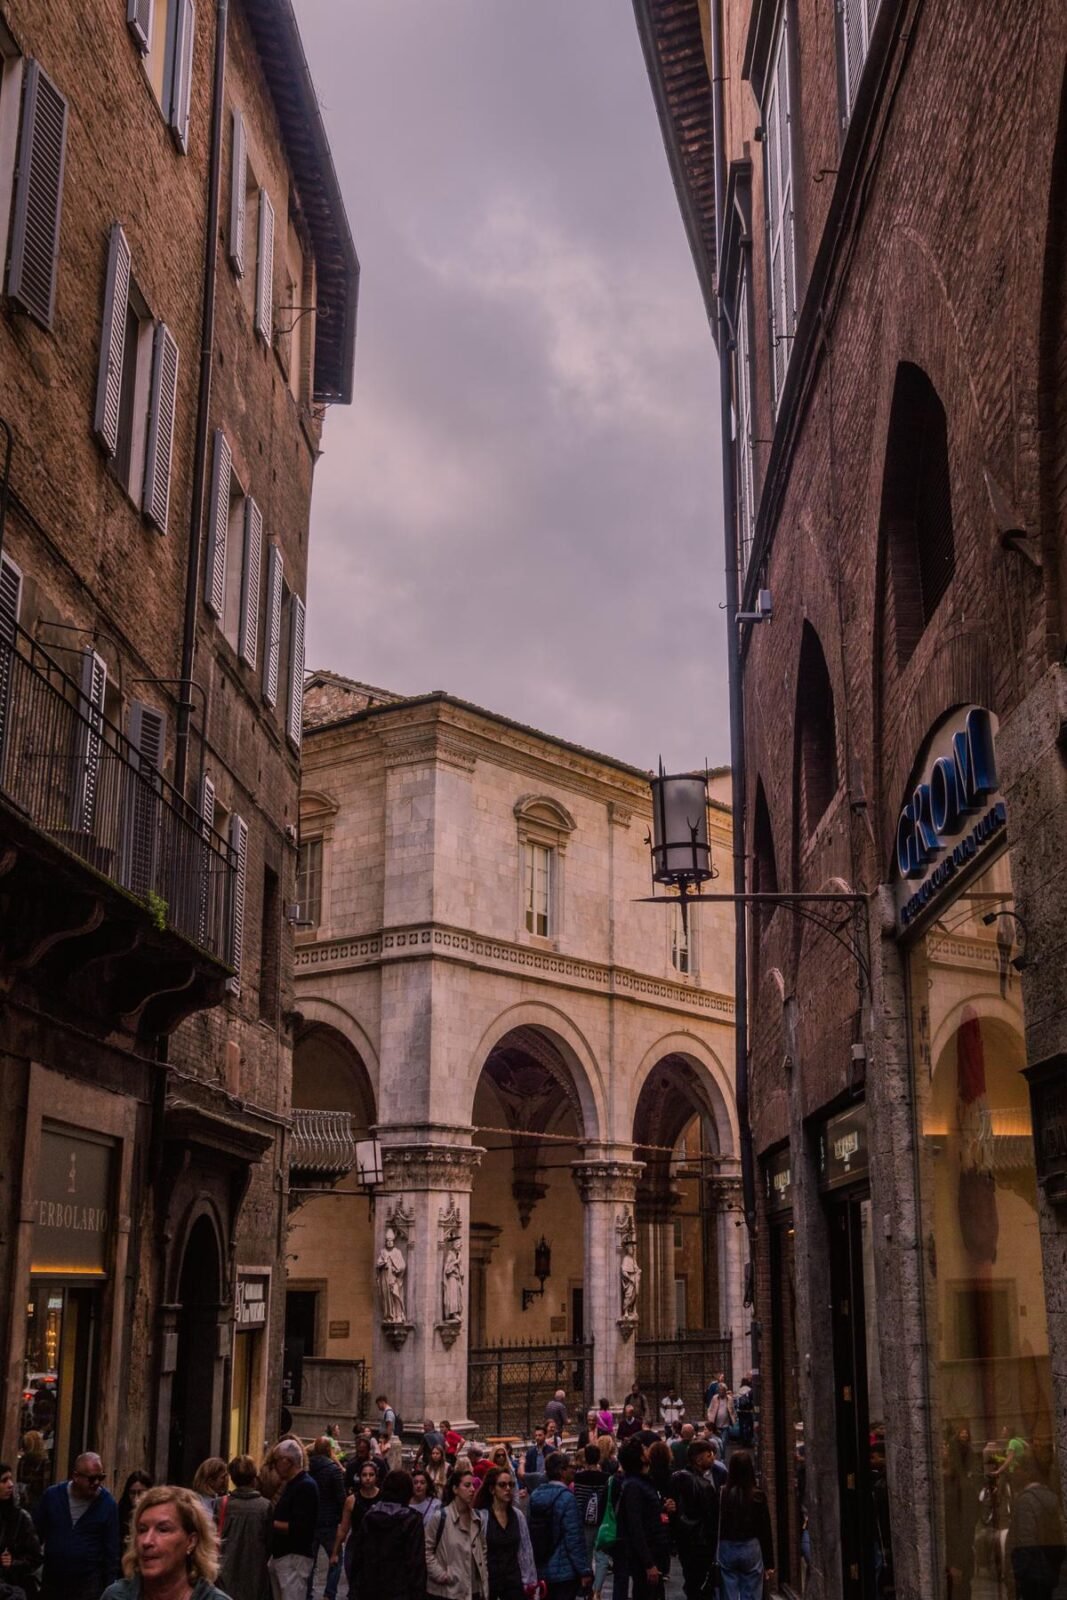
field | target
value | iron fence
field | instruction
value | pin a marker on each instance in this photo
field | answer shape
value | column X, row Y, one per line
column 508, row 1384
column 683, row 1365
column 81, row 781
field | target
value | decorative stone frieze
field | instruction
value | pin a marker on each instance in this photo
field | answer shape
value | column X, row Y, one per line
column 430, row 1166
column 607, row 1180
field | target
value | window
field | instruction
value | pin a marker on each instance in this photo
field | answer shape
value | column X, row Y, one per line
column 917, row 536
column 296, row 330
column 544, row 827
column 538, row 891
column 234, row 556
column 270, row 938
column 816, row 735
column 309, row 882
column 683, row 940
column 10, row 601
column 294, row 716
column 38, row 187
column 137, row 388
column 147, row 733
column 11, row 65
column 164, row 31
column 764, row 863
column 238, row 838
column 855, row 25
column 781, row 242
column 746, row 490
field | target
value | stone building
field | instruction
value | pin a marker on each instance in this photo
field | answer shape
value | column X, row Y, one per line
column 178, row 309
column 543, row 1061
column 876, row 199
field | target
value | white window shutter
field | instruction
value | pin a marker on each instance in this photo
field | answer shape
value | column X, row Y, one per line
column 238, row 184
column 206, row 805
column 295, row 715
column 248, row 626
column 206, row 808
column 182, row 84
column 10, row 600
column 112, row 341
column 264, row 317
column 139, row 18
column 272, row 643
column 87, row 759
column 162, row 405
column 217, row 523
column 38, row 196
column 148, row 736
column 239, row 845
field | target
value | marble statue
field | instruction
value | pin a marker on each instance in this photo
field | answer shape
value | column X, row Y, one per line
column 391, row 1269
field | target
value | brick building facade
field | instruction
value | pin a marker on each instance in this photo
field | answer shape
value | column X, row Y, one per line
column 875, row 195
column 179, row 308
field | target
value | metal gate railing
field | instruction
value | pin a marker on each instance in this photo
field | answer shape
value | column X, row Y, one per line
column 508, row 1384
column 684, row 1365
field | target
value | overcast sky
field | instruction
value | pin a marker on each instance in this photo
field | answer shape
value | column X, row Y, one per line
column 521, row 505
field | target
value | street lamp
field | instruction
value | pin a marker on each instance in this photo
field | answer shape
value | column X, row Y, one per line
column 542, row 1270
column 681, row 850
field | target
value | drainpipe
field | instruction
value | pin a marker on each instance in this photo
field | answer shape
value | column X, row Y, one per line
column 736, row 699
column 203, row 403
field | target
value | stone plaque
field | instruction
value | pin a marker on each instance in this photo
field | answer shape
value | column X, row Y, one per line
column 339, row 1330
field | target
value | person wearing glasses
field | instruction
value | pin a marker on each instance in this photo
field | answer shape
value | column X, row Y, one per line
column 78, row 1524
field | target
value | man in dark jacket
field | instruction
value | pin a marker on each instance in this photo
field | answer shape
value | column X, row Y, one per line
column 695, row 1493
column 535, row 1453
column 556, row 1532
column 78, row 1524
column 591, row 1496
column 295, row 1518
column 644, row 1544
column 330, row 1482
column 389, row 1560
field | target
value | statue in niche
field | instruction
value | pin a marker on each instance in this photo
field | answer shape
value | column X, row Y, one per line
column 452, row 1281
column 629, row 1276
column 391, row 1269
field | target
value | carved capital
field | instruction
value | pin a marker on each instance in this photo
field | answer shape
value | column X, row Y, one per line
column 725, row 1193
column 607, row 1180
column 430, row 1166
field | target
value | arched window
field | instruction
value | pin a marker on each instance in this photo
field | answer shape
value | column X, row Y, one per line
column 764, row 864
column 916, row 510
column 816, row 734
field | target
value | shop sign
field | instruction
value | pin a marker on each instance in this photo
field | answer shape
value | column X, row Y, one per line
column 72, row 1205
column 251, row 1309
column 952, row 813
column 340, row 1330
column 778, row 1181
column 843, row 1148
column 1048, row 1107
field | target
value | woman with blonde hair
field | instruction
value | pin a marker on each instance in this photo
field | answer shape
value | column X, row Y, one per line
column 172, row 1551
column 210, row 1482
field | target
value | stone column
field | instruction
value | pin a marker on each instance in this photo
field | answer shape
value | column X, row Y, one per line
column 612, row 1316
column 422, row 1278
column 655, row 1217
column 733, row 1246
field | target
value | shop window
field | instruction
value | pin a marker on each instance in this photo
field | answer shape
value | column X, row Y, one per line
column 816, row 735
column 917, row 532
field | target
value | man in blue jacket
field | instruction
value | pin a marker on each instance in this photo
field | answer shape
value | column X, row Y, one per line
column 78, row 1524
column 556, row 1532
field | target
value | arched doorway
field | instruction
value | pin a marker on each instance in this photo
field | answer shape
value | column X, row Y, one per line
column 196, row 1394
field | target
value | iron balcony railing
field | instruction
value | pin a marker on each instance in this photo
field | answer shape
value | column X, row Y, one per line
column 79, row 780
column 323, row 1143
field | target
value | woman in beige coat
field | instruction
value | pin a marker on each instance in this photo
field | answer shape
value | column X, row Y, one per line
column 457, row 1567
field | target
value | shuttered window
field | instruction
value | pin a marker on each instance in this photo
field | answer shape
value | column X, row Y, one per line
column 217, row 526
column 238, row 180
column 148, row 738
column 295, row 713
column 162, row 406
column 88, row 742
column 239, row 845
column 272, row 643
column 248, row 628
column 10, row 600
column 113, row 341
column 206, row 807
column 857, row 19
column 746, row 489
column 263, row 320
column 778, row 158
column 38, row 196
column 182, row 74
column 139, row 17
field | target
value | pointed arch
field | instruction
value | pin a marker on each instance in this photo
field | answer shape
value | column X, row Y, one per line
column 815, row 765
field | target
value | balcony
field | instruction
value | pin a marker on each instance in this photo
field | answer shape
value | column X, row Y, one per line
column 118, row 898
column 323, row 1145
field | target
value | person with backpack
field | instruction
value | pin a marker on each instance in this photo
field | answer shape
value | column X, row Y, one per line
column 642, row 1522
column 695, row 1489
column 457, row 1566
column 389, row 1562
column 244, row 1523
column 556, row 1532
column 591, row 1493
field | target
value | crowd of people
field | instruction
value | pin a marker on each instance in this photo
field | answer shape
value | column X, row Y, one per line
column 624, row 1493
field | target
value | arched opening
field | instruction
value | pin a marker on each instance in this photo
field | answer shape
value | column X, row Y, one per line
column 916, row 518
column 764, row 861
column 816, row 735
column 328, row 1311
column 195, row 1399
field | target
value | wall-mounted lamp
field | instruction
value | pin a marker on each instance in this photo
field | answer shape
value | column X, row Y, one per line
column 542, row 1270
column 1004, row 937
column 681, row 850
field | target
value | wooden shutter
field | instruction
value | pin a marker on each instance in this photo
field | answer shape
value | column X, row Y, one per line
column 148, row 736
column 264, row 317
column 239, row 844
column 272, row 643
column 295, row 716
column 182, row 84
column 112, row 341
column 162, row 405
column 206, row 924
column 248, row 626
column 238, row 183
column 217, row 523
column 38, row 196
column 139, row 18
column 10, row 600
column 88, row 741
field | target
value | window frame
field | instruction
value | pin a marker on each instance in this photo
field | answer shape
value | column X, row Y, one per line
column 308, row 841
column 745, row 488
column 780, row 211
column 542, row 823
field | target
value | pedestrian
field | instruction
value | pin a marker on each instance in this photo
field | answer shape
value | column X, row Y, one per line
column 660, row 1467
column 556, row 1411
column 431, row 1435
column 746, row 1551
column 638, row 1400
column 333, row 1434
column 643, row 1550
column 211, row 1481
column 605, row 1417
column 479, row 1460
column 457, row 1566
column 608, row 1454
column 591, row 1495
column 587, row 1433
column 679, row 1446
column 132, row 1490
column 509, row 1552
column 361, row 1454
column 330, row 1482
column 389, row 1562
column 629, row 1423
column 173, row 1550
column 391, row 1425
column 696, row 1518
column 31, row 1475
column 437, row 1467
column 77, row 1521
column 534, row 1459
column 244, row 1527
column 721, row 1413
column 424, row 1494
column 1036, row 1545
column 454, row 1440
column 605, row 1547
column 672, row 1410
column 293, row 1530
column 556, row 1532
column 368, row 1488
column 20, row 1548
column 745, row 1406
column 961, row 1489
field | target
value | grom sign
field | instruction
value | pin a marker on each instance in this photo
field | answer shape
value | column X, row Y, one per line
column 72, row 1205
column 952, row 814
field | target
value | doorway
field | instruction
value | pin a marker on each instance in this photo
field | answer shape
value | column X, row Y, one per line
column 59, row 1384
column 301, row 1313
column 194, row 1416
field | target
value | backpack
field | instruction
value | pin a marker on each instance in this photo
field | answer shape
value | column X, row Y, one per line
column 542, row 1523
column 591, row 1518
